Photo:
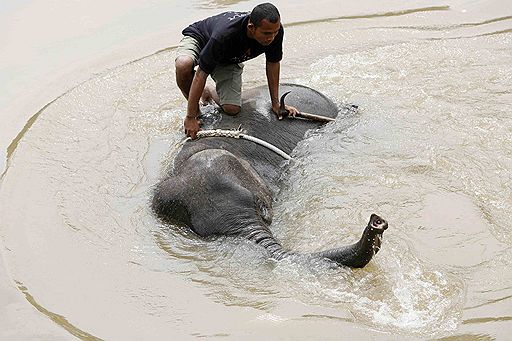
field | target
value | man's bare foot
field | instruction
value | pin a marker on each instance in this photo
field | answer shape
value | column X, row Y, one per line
column 207, row 96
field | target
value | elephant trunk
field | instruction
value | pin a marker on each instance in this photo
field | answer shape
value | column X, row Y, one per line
column 360, row 253
column 262, row 236
column 356, row 255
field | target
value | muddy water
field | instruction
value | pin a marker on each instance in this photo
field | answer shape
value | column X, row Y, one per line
column 429, row 149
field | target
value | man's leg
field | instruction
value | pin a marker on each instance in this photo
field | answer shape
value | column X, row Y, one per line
column 231, row 109
column 187, row 57
column 184, row 73
column 228, row 80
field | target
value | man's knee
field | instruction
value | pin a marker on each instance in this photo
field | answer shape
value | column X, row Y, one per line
column 231, row 109
column 184, row 65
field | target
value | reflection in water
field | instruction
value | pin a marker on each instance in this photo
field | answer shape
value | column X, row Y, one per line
column 429, row 150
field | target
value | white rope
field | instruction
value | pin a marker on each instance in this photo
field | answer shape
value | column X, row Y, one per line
column 238, row 134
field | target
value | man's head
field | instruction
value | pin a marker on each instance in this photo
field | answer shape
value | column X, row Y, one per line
column 264, row 23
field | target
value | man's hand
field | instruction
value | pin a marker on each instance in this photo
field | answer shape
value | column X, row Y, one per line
column 291, row 111
column 191, row 125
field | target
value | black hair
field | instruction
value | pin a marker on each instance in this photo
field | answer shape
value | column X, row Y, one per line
column 264, row 11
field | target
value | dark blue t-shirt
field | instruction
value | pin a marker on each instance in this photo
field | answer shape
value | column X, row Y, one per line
column 223, row 40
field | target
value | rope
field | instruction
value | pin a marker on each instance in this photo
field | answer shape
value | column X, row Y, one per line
column 238, row 134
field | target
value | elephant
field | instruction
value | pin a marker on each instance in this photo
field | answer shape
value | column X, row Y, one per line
column 220, row 186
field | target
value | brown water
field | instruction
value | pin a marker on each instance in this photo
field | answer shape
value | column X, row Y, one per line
column 429, row 149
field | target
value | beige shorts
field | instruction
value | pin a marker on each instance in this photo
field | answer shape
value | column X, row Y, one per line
column 228, row 78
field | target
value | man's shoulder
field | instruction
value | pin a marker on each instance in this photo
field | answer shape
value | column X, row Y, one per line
column 231, row 16
column 229, row 24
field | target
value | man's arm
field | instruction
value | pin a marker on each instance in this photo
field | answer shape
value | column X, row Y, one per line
column 273, row 70
column 196, row 90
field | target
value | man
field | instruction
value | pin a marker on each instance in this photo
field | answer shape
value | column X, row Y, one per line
column 218, row 45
